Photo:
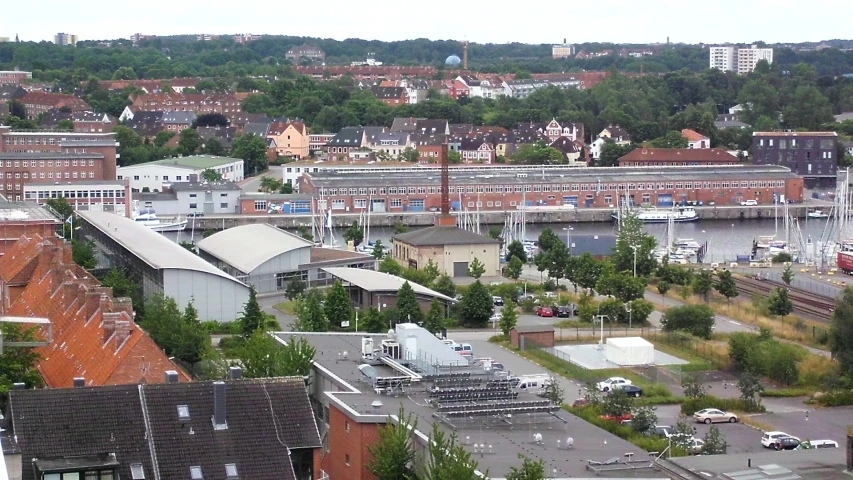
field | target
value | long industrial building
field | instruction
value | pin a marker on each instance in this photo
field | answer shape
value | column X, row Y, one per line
column 407, row 189
column 163, row 266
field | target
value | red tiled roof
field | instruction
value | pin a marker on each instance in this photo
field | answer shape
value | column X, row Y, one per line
column 703, row 155
column 54, row 100
column 278, row 128
column 94, row 335
column 693, row 135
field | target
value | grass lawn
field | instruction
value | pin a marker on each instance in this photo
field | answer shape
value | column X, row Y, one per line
column 286, row 307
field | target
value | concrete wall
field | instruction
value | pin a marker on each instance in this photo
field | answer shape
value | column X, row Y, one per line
column 213, row 203
column 12, row 468
column 215, row 297
column 488, row 254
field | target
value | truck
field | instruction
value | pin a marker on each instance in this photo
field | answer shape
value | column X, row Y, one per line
column 845, row 262
column 533, row 383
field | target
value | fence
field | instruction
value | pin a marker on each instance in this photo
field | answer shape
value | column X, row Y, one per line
column 693, row 345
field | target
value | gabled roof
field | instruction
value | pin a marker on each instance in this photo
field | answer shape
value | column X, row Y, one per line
column 92, row 117
column 430, row 126
column 279, row 127
column 374, row 281
column 388, row 92
column 146, row 116
column 439, row 236
column 11, row 92
column 178, row 117
column 565, row 145
column 259, row 129
column 53, row 116
column 704, row 155
column 371, row 134
column 347, row 137
column 404, row 124
column 461, row 128
column 401, row 138
column 267, row 242
column 427, row 140
column 693, row 135
column 616, row 132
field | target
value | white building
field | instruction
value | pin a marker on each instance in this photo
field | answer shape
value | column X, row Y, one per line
column 152, row 176
column 208, row 198
column 65, row 39
column 564, row 50
column 96, row 195
column 740, row 60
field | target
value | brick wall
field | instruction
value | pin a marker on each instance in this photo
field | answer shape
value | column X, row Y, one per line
column 348, row 453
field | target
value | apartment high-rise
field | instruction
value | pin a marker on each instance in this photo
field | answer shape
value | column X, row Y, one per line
column 65, row 39
column 740, row 60
column 564, row 50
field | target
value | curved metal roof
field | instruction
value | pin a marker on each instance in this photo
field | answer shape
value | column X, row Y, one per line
column 267, row 242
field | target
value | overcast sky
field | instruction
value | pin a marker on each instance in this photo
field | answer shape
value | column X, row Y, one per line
column 619, row 21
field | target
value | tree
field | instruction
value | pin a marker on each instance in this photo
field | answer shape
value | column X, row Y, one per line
column 189, row 142
column 509, row 317
column 692, row 388
column 65, row 211
column 211, row 175
column 448, row 460
column 18, row 364
column 305, row 233
column 269, row 184
column 162, row 138
column 378, row 250
column 253, row 317
column 516, row 249
column 514, row 268
column 252, row 149
column 671, row 139
column 750, row 388
column 392, row 456
column 211, row 120
column 212, row 146
column 644, row 419
column 295, row 288
column 476, row 268
column 548, row 240
column 476, row 306
column 454, row 157
column 779, row 303
column 624, row 286
column 617, row 403
column 663, row 287
column 309, row 313
column 261, row 356
column 123, row 285
column 696, row 319
column 408, row 307
column 539, row 153
column 726, row 285
column 715, row 443
column 286, row 189
column 354, row 234
column 611, row 152
column 529, row 470
column 703, row 283
column 400, row 228
column 554, row 392
column 179, row 334
column 372, row 320
column 338, row 307
column 445, row 286
column 495, row 232
column 434, row 321
column 390, row 266
column 788, row 274
column 587, row 269
column 83, row 254
column 841, row 331
column 66, row 124
column 634, row 248
column 410, row 154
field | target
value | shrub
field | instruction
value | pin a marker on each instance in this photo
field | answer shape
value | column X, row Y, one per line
column 695, row 319
column 692, row 405
column 766, row 356
column 837, row 398
column 592, row 414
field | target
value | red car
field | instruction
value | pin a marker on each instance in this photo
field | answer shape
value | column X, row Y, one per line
column 620, row 418
column 545, row 312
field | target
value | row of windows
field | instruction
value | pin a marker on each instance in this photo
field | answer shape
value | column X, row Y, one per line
column 784, row 143
column 41, row 163
column 52, row 140
column 45, row 194
column 585, row 187
column 34, row 175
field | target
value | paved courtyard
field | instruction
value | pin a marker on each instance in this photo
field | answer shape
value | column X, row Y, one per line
column 592, row 358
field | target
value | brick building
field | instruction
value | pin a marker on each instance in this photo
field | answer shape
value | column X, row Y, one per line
column 538, row 336
column 310, row 52
column 497, row 189
column 38, row 102
column 810, row 154
column 14, row 77
column 91, row 122
column 24, row 219
column 54, row 156
column 643, row 157
column 200, row 103
column 391, row 95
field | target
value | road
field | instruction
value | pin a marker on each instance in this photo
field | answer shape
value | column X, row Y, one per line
column 251, row 184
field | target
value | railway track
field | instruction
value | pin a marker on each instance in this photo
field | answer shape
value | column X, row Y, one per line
column 805, row 302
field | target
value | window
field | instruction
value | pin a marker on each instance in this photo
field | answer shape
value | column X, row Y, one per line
column 346, row 426
column 136, row 177
column 260, row 205
column 231, row 470
column 339, row 204
column 136, row 471
column 193, row 195
column 396, row 202
column 195, row 473
column 360, row 203
column 346, row 459
column 165, row 178
column 223, row 205
column 193, row 205
column 183, row 412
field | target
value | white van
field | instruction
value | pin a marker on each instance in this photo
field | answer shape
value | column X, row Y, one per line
column 464, row 349
column 533, row 383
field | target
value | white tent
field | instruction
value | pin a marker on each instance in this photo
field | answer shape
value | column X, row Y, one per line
column 630, row 351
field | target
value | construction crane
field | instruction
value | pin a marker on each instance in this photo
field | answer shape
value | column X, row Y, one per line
column 30, row 320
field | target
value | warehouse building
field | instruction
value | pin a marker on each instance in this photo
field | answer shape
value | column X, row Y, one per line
column 163, row 267
column 451, row 248
column 372, row 289
column 269, row 258
column 152, row 176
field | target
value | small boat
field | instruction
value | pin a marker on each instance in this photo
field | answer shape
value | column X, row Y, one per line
column 654, row 215
column 764, row 241
column 149, row 218
column 817, row 214
column 688, row 243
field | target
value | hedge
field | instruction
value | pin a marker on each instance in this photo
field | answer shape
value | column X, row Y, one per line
column 592, row 414
column 692, row 405
column 838, row 398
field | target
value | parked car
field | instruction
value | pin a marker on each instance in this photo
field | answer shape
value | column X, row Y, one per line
column 611, row 383
column 619, row 418
column 809, row 444
column 195, row 214
column 749, row 203
column 580, row 402
column 633, row 390
column 769, row 438
column 496, row 317
column 545, row 312
column 662, row 430
column 712, row 415
column 550, row 295
column 564, row 311
column 786, row 443
column 498, row 301
column 695, row 446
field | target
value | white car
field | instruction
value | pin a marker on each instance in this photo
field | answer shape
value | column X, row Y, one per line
column 749, row 203
column 769, row 438
column 611, row 383
column 496, row 317
column 712, row 415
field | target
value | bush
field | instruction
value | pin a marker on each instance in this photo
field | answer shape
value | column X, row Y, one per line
column 766, row 356
column 837, row 398
column 692, row 405
column 221, row 328
column 231, row 344
column 592, row 414
column 498, row 338
column 695, row 319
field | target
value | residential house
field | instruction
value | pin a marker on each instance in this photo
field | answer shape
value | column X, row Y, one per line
column 38, row 102
column 177, row 122
column 572, row 130
column 429, row 146
column 390, row 144
column 416, row 88
column 432, row 127
column 391, row 95
column 200, row 103
column 728, row 120
column 260, row 129
column 812, row 155
column 612, row 133
column 316, row 141
column 7, row 94
column 370, row 136
column 529, row 133
column 523, row 88
column 291, row 139
column 345, row 141
column 477, row 150
column 460, row 128
column 306, row 51
column 85, row 122
column 645, row 156
column 695, row 139
column 241, row 119
column 223, row 135
column 405, row 124
column 52, row 117
column 94, row 334
column 472, row 84
column 459, row 89
column 146, row 124
column 570, row 149
column 260, row 429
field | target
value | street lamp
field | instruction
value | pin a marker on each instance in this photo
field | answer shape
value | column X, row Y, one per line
column 634, row 248
column 628, row 309
column 569, row 238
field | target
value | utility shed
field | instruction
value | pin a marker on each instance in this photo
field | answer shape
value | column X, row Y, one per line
column 369, row 288
column 628, row 351
column 529, row 336
column 451, row 248
column 162, row 266
column 260, row 255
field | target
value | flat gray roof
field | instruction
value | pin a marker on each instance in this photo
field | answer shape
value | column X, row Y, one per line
column 247, row 247
column 816, row 464
column 374, row 281
column 152, row 248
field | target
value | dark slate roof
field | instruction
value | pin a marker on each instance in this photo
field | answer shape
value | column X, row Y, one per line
column 56, row 423
column 92, row 117
column 146, row 116
column 443, row 236
column 259, row 129
column 461, row 128
column 11, row 92
column 371, row 134
column 471, row 143
column 388, row 92
column 225, row 135
column 529, row 134
column 431, row 127
column 617, row 132
column 265, row 418
column 401, row 138
column 54, row 116
column 404, row 124
column 347, row 137
column 179, row 117
column 419, row 139
column 565, row 145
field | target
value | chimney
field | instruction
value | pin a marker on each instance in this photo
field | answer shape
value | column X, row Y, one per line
column 93, row 303
column 123, row 304
column 20, row 386
column 235, row 373
column 122, row 329
column 645, row 145
column 219, row 422
column 69, row 291
column 82, row 295
column 79, row 382
column 109, row 323
column 171, row 376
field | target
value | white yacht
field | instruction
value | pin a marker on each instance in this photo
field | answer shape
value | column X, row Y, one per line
column 688, row 244
column 149, row 218
column 817, row 214
column 654, row 215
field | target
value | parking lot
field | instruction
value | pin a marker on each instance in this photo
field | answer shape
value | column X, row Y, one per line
column 820, row 424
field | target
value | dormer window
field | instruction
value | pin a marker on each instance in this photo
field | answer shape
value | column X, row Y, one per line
column 183, row 412
column 231, row 471
column 195, row 473
column 136, row 471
